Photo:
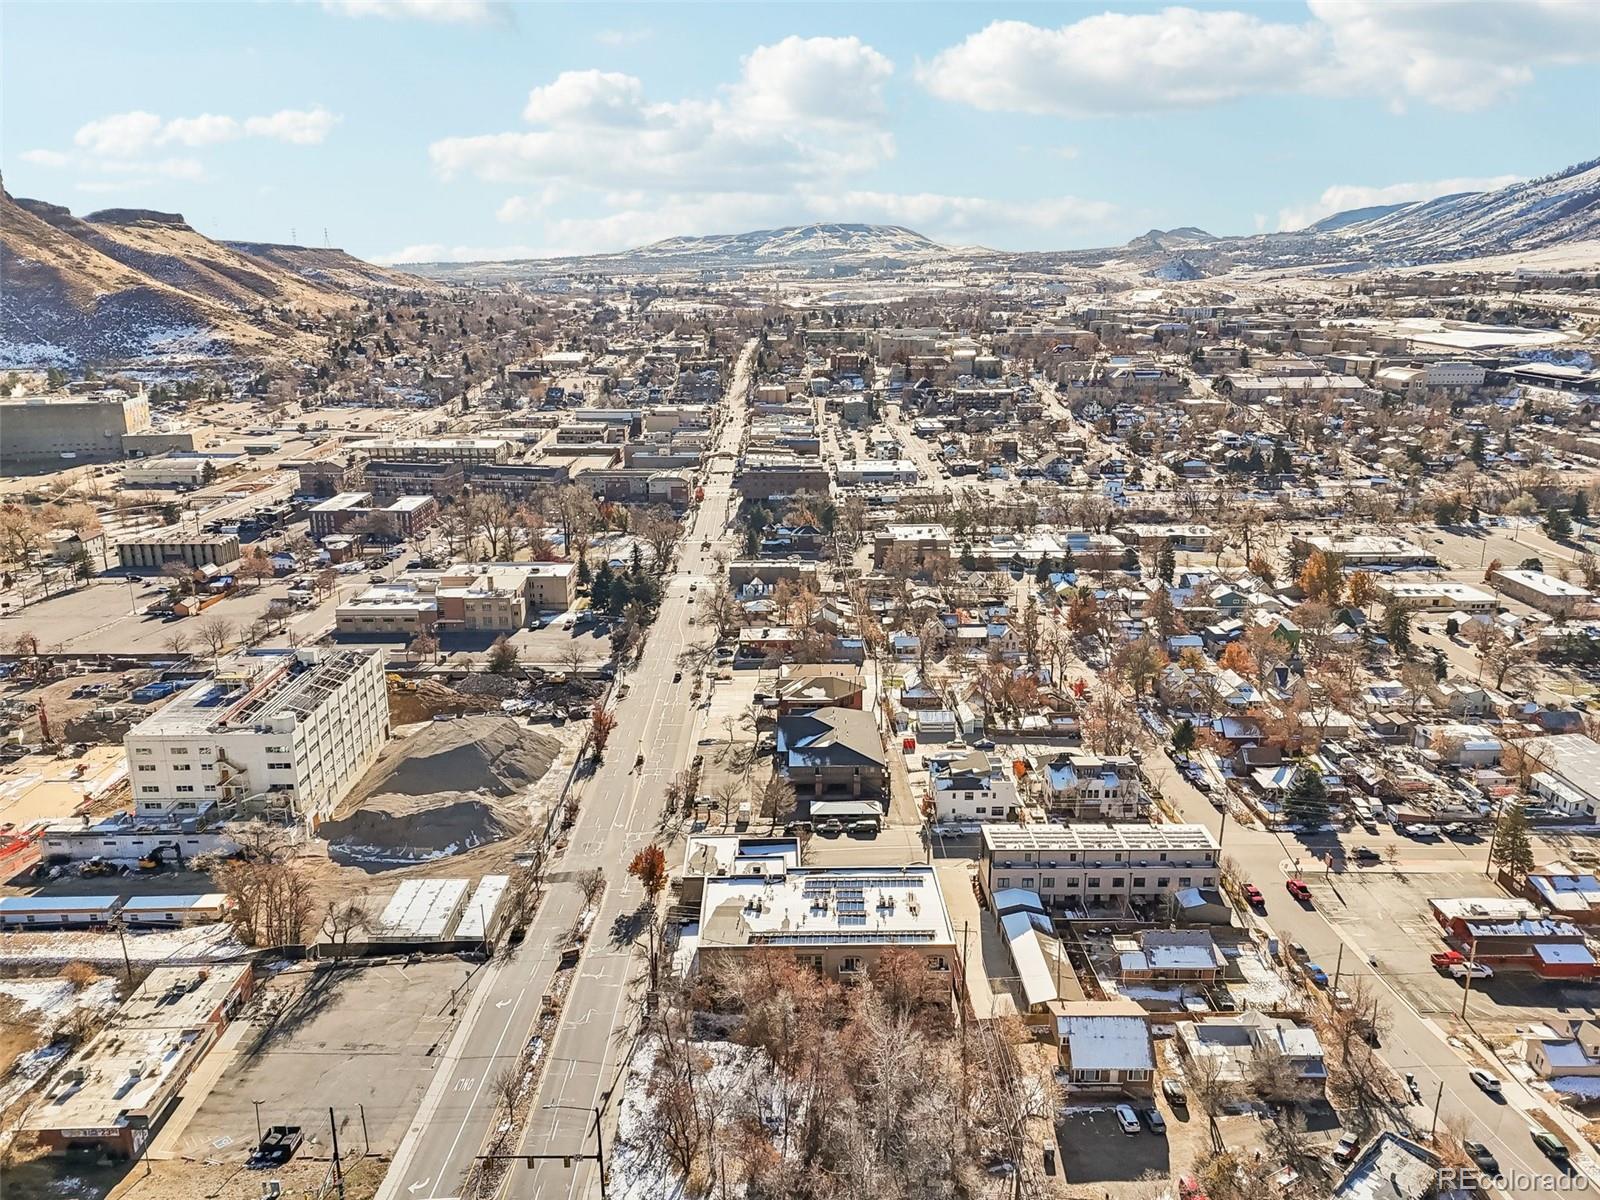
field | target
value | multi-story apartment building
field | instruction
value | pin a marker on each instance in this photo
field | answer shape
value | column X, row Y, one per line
column 447, row 449
column 1082, row 786
column 1080, row 866
column 160, row 547
column 292, row 730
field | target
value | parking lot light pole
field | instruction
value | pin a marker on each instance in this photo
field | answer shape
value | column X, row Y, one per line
column 257, row 1104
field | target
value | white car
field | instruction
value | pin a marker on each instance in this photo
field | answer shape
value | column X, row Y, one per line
column 1472, row 969
column 1127, row 1118
column 1485, row 1080
column 1423, row 831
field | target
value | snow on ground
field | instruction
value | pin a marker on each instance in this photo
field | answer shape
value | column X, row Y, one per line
column 1579, row 1087
column 35, row 354
column 198, row 943
column 639, row 1167
column 51, row 1001
column 1263, row 986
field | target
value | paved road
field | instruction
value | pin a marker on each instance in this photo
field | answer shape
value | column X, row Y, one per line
column 1414, row 1042
column 619, row 815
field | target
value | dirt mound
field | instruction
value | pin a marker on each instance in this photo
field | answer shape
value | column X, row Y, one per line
column 411, row 829
column 491, row 754
column 445, row 789
column 423, row 699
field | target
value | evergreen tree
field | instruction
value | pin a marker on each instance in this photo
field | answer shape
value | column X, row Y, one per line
column 1580, row 506
column 969, row 561
column 584, row 574
column 636, row 562
column 600, row 590
column 1069, row 563
column 1477, row 450
column 1183, row 736
column 1041, row 573
column 1397, row 626
column 1306, row 804
column 1513, row 852
column 1167, row 563
column 1558, row 524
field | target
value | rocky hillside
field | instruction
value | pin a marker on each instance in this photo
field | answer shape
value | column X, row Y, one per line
column 329, row 267
column 1563, row 207
column 127, row 287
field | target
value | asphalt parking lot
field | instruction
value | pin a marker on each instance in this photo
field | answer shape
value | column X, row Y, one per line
column 1385, row 914
column 1093, row 1148
column 347, row 1038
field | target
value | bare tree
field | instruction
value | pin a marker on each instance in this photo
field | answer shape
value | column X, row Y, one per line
column 215, row 633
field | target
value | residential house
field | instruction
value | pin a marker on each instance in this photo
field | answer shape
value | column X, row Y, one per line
column 833, row 754
column 1105, row 1047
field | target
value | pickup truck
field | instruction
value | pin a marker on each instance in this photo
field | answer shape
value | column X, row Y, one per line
column 1446, row 958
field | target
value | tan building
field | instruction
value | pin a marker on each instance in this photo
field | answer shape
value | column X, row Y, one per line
column 65, row 426
column 112, row 1093
column 837, row 920
column 1544, row 592
column 499, row 597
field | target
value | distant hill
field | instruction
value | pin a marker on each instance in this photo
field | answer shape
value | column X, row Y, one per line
column 124, row 286
column 324, row 265
column 860, row 243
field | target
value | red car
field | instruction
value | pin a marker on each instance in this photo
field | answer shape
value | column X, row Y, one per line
column 1298, row 889
column 1253, row 895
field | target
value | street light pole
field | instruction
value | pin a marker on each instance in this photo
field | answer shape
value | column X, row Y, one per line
column 257, row 1104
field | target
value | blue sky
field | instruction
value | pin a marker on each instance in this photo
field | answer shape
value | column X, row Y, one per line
column 420, row 129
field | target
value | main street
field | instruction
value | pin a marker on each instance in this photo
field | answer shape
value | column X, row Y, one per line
column 1414, row 1042
column 620, row 814
column 617, row 817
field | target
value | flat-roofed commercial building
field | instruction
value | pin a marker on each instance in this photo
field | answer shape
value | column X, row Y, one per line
column 161, row 547
column 836, row 920
column 1078, row 866
column 1446, row 597
column 111, row 1094
column 400, row 609
column 1544, row 592
column 499, row 596
column 290, row 731
column 1366, row 550
column 38, row 427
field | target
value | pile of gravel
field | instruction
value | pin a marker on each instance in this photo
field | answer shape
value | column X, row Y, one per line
column 450, row 786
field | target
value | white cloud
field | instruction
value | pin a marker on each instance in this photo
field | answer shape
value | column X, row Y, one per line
column 301, row 127
column 1342, row 197
column 1460, row 54
column 516, row 209
column 203, row 130
column 442, row 252
column 587, row 99
column 813, row 79
column 805, row 109
column 1121, row 62
column 124, row 143
column 451, row 12
column 122, row 135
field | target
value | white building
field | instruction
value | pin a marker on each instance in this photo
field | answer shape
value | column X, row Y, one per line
column 1079, row 866
column 1086, row 786
column 1455, row 374
column 1449, row 597
column 971, row 787
column 294, row 729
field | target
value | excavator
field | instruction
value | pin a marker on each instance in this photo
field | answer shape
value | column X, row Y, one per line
column 154, row 860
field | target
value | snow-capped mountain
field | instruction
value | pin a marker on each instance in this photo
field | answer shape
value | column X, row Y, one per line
column 799, row 243
column 1561, row 207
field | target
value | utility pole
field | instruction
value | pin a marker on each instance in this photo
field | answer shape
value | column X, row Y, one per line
column 366, row 1142
column 122, row 936
column 338, row 1167
column 257, row 1104
column 1338, row 965
column 1466, row 989
column 1437, row 1101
